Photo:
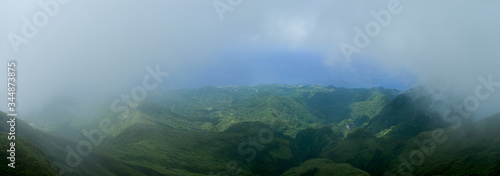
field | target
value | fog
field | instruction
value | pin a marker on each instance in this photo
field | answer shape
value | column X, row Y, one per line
column 94, row 49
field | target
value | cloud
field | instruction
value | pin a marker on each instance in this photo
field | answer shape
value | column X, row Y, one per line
column 95, row 47
column 448, row 45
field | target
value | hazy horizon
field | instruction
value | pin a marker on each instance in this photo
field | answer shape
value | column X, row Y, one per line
column 127, row 87
column 85, row 50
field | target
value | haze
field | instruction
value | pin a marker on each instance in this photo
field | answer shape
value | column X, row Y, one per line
column 91, row 49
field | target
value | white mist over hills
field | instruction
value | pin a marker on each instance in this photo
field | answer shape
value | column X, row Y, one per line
column 94, row 48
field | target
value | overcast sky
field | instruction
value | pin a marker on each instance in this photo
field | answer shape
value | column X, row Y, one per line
column 93, row 47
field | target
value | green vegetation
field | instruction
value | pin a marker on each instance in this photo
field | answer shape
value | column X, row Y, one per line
column 324, row 167
column 261, row 130
column 30, row 159
column 473, row 149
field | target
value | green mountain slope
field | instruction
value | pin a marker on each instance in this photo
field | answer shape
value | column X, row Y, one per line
column 324, row 167
column 47, row 149
column 264, row 130
column 473, row 149
column 158, row 150
column 29, row 158
column 405, row 117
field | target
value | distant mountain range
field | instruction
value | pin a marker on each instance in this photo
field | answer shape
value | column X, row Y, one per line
column 260, row 130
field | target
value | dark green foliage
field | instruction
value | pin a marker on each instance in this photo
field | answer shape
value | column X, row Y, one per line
column 263, row 130
column 30, row 159
column 294, row 107
column 311, row 142
column 473, row 149
column 53, row 150
column 370, row 107
column 177, row 152
column 362, row 150
column 360, row 121
column 405, row 117
column 359, row 133
column 324, row 167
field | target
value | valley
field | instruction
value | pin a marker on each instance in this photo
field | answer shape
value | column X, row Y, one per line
column 261, row 130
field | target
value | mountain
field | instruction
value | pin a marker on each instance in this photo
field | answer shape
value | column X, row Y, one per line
column 324, row 167
column 154, row 150
column 472, row 149
column 295, row 108
column 42, row 153
column 29, row 158
column 260, row 130
column 406, row 116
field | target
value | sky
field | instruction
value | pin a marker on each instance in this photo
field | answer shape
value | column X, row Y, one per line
column 93, row 48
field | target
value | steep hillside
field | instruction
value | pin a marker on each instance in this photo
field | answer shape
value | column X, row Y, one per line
column 156, row 150
column 264, row 130
column 473, row 149
column 405, row 117
column 294, row 107
column 324, row 167
column 50, row 151
column 29, row 158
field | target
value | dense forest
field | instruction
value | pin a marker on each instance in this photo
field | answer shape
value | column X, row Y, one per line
column 261, row 130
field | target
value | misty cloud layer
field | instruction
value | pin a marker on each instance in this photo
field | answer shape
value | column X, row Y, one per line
column 95, row 48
